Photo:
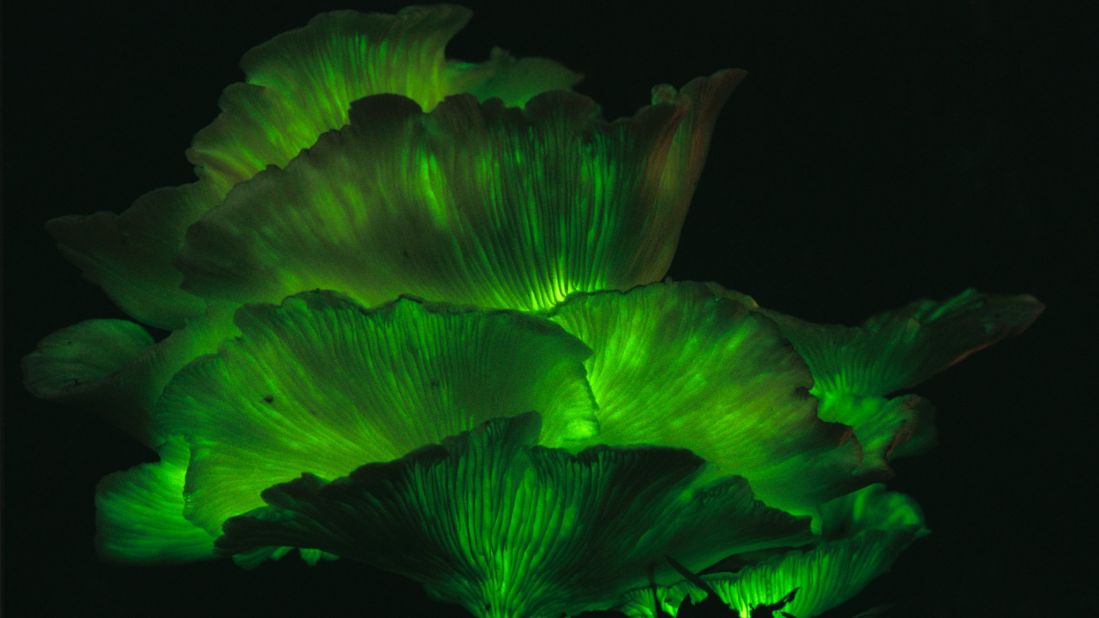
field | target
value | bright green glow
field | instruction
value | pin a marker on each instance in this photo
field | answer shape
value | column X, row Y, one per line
column 252, row 559
column 876, row 526
column 140, row 513
column 478, row 202
column 509, row 529
column 298, row 85
column 856, row 368
column 860, row 536
column 301, row 83
column 115, row 368
column 140, row 517
column 512, row 80
column 899, row 349
column 472, row 203
column 886, row 428
column 679, row 364
column 320, row 384
column 640, row 603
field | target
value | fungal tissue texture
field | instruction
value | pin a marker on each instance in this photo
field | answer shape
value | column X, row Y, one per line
column 418, row 319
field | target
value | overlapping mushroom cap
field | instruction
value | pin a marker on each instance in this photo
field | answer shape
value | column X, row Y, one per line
column 509, row 529
column 472, row 203
column 856, row 538
column 320, row 384
column 543, row 423
column 298, row 86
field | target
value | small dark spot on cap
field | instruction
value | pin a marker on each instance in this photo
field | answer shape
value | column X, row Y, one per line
column 269, row 398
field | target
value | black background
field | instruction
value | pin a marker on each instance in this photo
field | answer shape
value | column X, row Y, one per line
column 876, row 153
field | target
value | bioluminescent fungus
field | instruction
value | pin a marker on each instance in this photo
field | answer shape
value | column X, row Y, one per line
column 418, row 320
column 298, row 86
column 855, row 369
column 474, row 203
column 678, row 364
column 508, row 528
column 856, row 538
column 115, row 368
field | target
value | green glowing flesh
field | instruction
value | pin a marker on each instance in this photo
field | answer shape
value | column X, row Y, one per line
column 899, row 349
column 320, row 384
column 676, row 364
column 252, row 559
column 73, row 362
column 512, row 80
column 510, row 529
column 859, row 537
column 140, row 517
column 643, row 602
column 301, row 83
column 864, row 533
column 115, row 368
column 140, row 513
column 298, row 85
column 130, row 255
column 856, row 368
column 886, row 428
column 472, row 203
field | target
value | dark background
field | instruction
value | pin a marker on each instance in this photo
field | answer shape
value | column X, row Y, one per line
column 877, row 153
